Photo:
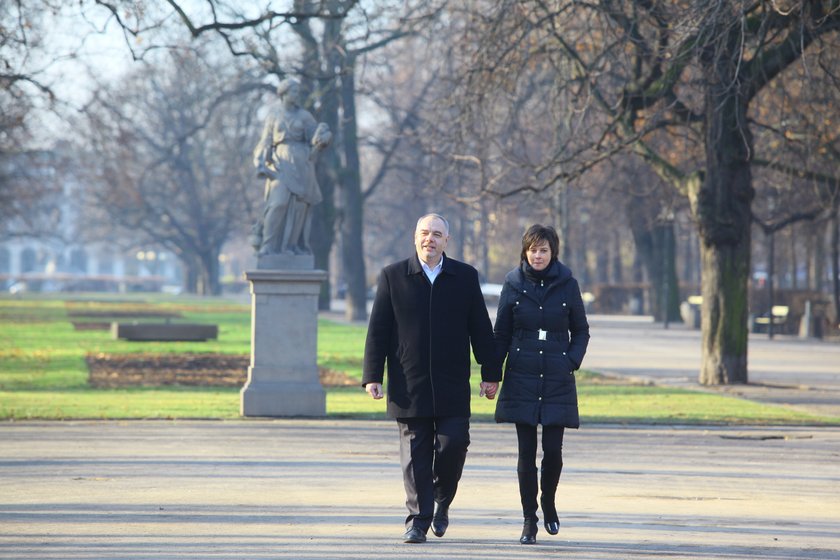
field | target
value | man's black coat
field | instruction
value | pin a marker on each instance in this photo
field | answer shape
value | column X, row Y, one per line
column 424, row 332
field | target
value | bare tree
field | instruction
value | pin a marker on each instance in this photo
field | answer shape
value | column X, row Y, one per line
column 798, row 147
column 651, row 78
column 24, row 195
column 167, row 152
column 327, row 59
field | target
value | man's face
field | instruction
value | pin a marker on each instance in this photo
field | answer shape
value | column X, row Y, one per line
column 430, row 240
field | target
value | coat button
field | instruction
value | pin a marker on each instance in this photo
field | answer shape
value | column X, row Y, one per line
column 540, row 351
column 541, row 375
column 564, row 304
column 517, row 349
column 540, row 306
column 564, row 353
column 539, row 399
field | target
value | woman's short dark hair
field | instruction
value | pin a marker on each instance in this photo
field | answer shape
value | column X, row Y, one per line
column 535, row 235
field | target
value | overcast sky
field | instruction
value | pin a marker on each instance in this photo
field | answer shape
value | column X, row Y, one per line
column 79, row 51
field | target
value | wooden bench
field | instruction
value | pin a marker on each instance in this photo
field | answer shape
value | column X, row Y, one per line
column 191, row 332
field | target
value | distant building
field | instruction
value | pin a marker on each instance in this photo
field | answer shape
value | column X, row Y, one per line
column 43, row 252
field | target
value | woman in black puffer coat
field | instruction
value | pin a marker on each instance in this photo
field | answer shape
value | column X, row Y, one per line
column 542, row 331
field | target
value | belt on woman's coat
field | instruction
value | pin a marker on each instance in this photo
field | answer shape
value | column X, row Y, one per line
column 539, row 334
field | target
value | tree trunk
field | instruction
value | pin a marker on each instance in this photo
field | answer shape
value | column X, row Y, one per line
column 323, row 214
column 352, row 257
column 617, row 276
column 327, row 169
column 322, row 237
column 207, row 274
column 771, row 280
column 721, row 205
column 602, row 266
column 820, row 256
column 485, row 230
column 724, row 319
column 190, row 283
column 328, row 164
column 560, row 212
column 810, row 249
column 835, row 257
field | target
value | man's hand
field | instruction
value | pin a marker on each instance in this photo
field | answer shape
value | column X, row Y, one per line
column 488, row 389
column 374, row 390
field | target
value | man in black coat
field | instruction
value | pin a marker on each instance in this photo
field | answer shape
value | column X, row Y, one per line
column 427, row 313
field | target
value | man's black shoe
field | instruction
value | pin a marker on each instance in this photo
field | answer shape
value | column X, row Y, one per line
column 440, row 521
column 414, row 535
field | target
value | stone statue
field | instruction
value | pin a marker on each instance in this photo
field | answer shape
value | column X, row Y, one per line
column 284, row 157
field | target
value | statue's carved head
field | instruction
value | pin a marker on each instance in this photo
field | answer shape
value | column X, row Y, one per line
column 289, row 90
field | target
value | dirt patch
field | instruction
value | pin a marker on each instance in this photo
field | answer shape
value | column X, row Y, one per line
column 200, row 370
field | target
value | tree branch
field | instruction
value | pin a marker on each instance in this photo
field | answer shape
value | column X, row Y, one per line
column 268, row 16
column 759, row 71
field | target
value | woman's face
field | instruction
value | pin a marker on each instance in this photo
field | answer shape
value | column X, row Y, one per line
column 539, row 255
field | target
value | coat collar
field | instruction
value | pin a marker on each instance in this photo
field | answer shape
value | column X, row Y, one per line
column 560, row 273
column 414, row 266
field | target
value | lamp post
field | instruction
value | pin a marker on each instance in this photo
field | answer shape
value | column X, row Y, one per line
column 667, row 220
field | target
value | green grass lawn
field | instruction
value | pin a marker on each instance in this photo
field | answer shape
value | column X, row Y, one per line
column 43, row 374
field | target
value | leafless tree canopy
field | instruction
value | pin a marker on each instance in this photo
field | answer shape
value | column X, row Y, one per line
column 167, row 156
column 22, row 86
column 552, row 90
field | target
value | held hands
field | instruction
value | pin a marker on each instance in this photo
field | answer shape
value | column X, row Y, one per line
column 374, row 390
column 488, row 389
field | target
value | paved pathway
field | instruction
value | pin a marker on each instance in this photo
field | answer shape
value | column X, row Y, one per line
column 297, row 489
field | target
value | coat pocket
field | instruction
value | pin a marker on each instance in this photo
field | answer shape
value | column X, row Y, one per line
column 512, row 357
column 559, row 363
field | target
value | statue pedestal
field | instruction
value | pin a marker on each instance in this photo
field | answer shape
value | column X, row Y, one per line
column 284, row 262
column 283, row 376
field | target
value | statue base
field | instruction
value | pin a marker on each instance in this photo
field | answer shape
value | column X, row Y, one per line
column 283, row 376
column 285, row 261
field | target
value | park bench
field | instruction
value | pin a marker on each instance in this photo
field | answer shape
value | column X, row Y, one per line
column 780, row 315
column 690, row 311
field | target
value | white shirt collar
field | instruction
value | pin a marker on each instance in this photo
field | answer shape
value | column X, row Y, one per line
column 432, row 273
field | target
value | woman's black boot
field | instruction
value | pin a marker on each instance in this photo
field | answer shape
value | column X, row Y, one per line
column 528, row 496
column 529, row 531
column 552, row 522
column 548, row 482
